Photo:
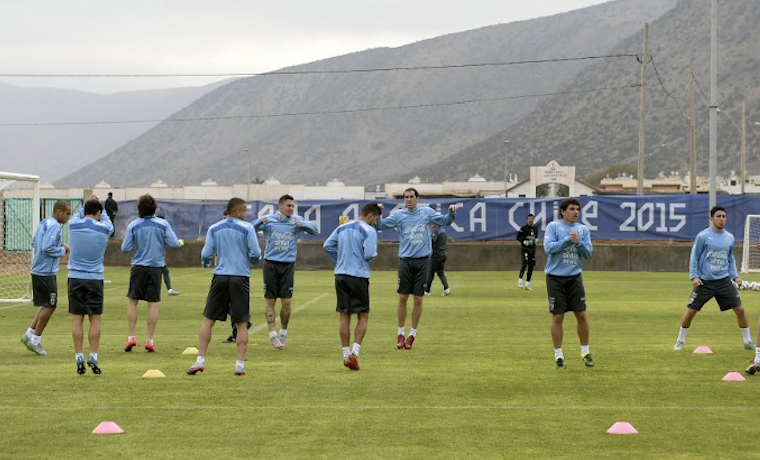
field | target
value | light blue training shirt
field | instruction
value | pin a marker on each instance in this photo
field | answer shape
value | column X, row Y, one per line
column 564, row 258
column 414, row 229
column 236, row 247
column 712, row 256
column 150, row 236
column 88, row 239
column 47, row 248
column 282, row 235
column 352, row 246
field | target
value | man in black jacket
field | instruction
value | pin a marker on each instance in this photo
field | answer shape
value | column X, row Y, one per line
column 438, row 259
column 112, row 209
column 528, row 238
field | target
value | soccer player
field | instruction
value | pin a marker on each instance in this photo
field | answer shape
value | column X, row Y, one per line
column 438, row 259
column 413, row 226
column 711, row 269
column 352, row 246
column 528, row 238
column 236, row 246
column 281, row 230
column 112, row 208
column 149, row 236
column 47, row 250
column 165, row 273
column 566, row 244
column 88, row 235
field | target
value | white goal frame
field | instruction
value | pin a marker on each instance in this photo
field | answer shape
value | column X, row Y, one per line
column 35, row 180
column 747, row 245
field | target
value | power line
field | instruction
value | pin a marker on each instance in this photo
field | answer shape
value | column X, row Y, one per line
column 318, row 72
column 723, row 112
column 656, row 72
column 328, row 112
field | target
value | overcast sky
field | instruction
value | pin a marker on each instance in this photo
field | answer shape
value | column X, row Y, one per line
column 223, row 36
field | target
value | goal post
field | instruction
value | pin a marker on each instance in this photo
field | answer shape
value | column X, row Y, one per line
column 750, row 249
column 19, row 218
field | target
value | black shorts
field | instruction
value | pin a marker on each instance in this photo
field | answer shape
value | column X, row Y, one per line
column 229, row 295
column 85, row 297
column 352, row 294
column 723, row 290
column 45, row 291
column 566, row 293
column 413, row 275
column 145, row 283
column 278, row 279
column 528, row 257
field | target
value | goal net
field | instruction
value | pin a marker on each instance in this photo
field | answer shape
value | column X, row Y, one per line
column 19, row 217
column 750, row 250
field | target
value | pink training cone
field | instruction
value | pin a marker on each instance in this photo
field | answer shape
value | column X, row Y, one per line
column 622, row 428
column 734, row 377
column 108, row 428
column 703, row 350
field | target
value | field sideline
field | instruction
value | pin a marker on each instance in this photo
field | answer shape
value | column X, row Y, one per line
column 480, row 381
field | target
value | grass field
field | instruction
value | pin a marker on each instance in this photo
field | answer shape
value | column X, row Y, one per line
column 480, row 381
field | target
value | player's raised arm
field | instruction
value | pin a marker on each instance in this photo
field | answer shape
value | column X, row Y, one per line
column 306, row 226
column 443, row 219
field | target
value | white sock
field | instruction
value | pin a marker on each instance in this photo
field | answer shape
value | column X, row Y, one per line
column 240, row 365
column 94, row 356
column 757, row 354
column 130, row 337
column 346, row 352
column 558, row 353
column 682, row 334
column 150, row 340
column 584, row 350
column 284, row 332
column 527, row 284
column 745, row 335
column 412, row 332
column 29, row 332
column 355, row 349
column 272, row 334
column 35, row 339
column 401, row 331
column 79, row 357
column 200, row 361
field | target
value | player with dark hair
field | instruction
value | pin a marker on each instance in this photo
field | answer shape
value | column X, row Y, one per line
column 528, row 238
column 149, row 236
column 567, row 243
column 413, row 226
column 236, row 246
column 88, row 234
column 711, row 269
column 438, row 259
column 47, row 250
column 352, row 246
column 281, row 231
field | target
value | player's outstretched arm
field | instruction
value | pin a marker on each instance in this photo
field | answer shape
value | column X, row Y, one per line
column 170, row 238
column 306, row 226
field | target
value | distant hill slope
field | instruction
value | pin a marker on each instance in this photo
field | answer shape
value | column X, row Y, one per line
column 56, row 151
column 365, row 148
column 596, row 130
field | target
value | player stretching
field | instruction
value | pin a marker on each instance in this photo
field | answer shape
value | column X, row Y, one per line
column 150, row 235
column 281, row 230
column 711, row 269
column 89, row 230
column 48, row 249
column 566, row 244
column 352, row 246
column 234, row 242
column 528, row 238
column 413, row 226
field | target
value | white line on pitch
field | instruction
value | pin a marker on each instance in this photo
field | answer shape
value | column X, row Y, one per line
column 296, row 310
column 395, row 408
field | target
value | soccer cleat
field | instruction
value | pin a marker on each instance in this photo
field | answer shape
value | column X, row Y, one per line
column 588, row 360
column 25, row 339
column 80, row 366
column 93, row 363
column 36, row 349
column 753, row 367
column 194, row 369
column 352, row 362
column 519, row 283
column 150, row 347
column 173, row 292
column 230, row 339
column 283, row 338
column 749, row 345
column 276, row 342
column 560, row 363
column 409, row 342
column 131, row 343
column 678, row 346
column 400, row 341
column 527, row 287
column 427, row 293
column 239, row 370
column 446, row 292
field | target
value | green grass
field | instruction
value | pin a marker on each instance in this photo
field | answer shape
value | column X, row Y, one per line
column 480, row 381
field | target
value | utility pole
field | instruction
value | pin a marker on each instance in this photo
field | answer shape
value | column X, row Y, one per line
column 713, row 104
column 248, row 186
column 744, row 144
column 643, row 111
column 506, row 158
column 692, row 132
